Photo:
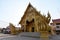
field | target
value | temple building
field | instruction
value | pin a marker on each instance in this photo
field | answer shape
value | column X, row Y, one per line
column 32, row 20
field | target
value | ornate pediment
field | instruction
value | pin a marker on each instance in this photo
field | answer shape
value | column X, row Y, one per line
column 31, row 13
column 28, row 14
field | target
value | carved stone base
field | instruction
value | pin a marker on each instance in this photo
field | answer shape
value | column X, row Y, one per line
column 44, row 35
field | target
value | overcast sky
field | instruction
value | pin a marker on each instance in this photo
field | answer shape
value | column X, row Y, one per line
column 13, row 10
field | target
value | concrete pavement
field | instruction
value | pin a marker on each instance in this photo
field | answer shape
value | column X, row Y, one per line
column 28, row 36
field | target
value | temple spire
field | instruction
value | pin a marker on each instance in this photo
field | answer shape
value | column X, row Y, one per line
column 48, row 17
column 29, row 5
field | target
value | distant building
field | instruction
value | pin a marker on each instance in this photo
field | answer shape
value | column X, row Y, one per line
column 6, row 30
column 56, row 25
column 0, row 30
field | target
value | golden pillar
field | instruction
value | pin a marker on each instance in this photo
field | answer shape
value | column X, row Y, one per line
column 44, row 28
column 24, row 28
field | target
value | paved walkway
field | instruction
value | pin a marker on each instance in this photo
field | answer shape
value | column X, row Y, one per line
column 6, row 35
column 28, row 36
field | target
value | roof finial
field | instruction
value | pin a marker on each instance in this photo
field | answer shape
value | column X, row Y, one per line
column 29, row 4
